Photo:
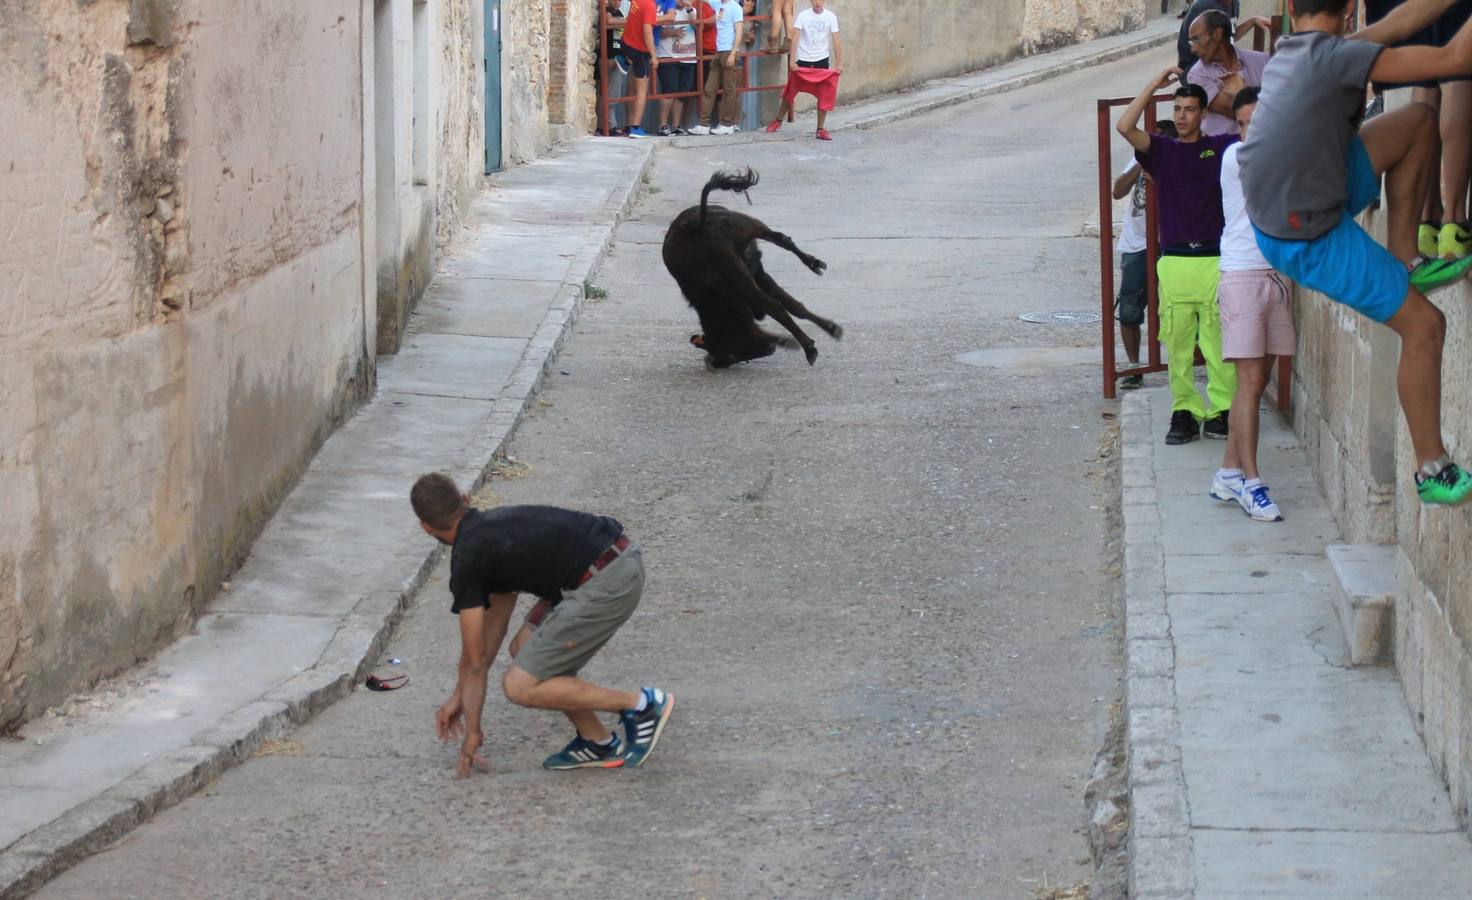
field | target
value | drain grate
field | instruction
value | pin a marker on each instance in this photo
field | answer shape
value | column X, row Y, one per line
column 1062, row 317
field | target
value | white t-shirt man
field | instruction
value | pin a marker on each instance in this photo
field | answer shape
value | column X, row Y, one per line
column 1239, row 245
column 814, row 31
column 1132, row 235
column 677, row 40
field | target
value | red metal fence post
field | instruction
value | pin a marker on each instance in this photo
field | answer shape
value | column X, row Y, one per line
column 1106, row 248
column 603, row 75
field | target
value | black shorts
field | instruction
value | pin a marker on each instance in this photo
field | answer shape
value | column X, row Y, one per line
column 1437, row 34
column 638, row 62
column 676, row 77
column 1130, row 305
column 816, row 64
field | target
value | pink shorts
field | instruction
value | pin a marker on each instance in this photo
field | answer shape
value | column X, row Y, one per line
column 1256, row 318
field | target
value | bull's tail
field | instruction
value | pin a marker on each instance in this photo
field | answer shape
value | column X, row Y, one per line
column 739, row 182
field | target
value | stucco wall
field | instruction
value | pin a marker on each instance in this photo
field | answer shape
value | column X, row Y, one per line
column 186, row 302
column 1348, row 415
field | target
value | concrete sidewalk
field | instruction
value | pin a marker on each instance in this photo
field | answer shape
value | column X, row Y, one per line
column 1261, row 762
column 305, row 619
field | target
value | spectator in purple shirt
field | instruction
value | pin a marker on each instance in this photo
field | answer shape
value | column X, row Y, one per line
column 1222, row 70
column 1187, row 172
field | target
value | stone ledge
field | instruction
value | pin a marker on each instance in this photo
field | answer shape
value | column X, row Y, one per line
column 1363, row 590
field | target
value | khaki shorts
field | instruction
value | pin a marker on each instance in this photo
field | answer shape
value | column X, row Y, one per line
column 578, row 627
column 1256, row 318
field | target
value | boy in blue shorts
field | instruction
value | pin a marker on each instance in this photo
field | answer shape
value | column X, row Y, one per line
column 1309, row 169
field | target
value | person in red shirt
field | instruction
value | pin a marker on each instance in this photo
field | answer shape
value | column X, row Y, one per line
column 638, row 50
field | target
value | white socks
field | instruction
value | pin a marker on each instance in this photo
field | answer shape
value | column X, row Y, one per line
column 1433, row 468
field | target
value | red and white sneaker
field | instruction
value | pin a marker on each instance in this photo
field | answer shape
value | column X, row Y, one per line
column 823, row 135
column 776, row 123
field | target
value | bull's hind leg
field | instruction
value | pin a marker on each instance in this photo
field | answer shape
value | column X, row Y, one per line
column 785, row 242
column 773, row 289
column 757, row 300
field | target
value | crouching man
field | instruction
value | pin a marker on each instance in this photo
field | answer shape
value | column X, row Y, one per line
column 589, row 576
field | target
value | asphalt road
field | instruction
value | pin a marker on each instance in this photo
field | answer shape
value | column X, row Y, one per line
column 877, row 586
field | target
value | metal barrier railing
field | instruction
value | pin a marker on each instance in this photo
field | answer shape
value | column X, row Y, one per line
column 1150, row 337
column 606, row 103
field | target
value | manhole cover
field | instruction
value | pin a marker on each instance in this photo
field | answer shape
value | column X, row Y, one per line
column 1062, row 317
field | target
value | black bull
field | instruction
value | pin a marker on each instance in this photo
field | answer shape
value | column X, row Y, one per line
column 711, row 251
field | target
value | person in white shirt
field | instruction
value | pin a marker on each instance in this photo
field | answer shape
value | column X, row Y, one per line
column 818, row 47
column 1130, row 302
column 1257, row 325
column 675, row 49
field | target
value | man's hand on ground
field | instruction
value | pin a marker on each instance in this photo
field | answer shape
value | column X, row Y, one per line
column 449, row 720
column 470, row 757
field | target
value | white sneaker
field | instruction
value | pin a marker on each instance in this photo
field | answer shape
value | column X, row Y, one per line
column 722, row 129
column 1257, row 504
column 1225, row 489
column 700, row 129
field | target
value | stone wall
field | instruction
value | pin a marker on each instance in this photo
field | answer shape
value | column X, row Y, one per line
column 1348, row 416
column 187, row 305
column 460, row 150
column 1048, row 24
column 526, row 37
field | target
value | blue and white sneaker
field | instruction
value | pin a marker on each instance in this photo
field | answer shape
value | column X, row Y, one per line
column 1226, row 489
column 581, row 753
column 636, row 132
column 1257, row 504
column 644, row 728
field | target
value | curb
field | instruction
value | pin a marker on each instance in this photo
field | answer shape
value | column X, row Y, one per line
column 352, row 653
column 1160, row 848
column 959, row 96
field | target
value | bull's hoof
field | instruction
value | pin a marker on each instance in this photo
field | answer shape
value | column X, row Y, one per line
column 710, row 363
column 818, row 266
column 811, row 353
column 837, row 332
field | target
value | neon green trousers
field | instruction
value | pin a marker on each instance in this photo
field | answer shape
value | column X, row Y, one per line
column 1189, row 318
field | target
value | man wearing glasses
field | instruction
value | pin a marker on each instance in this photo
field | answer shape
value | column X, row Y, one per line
column 1222, row 69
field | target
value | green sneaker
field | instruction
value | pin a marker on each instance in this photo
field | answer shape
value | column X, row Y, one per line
column 1449, row 487
column 1428, row 238
column 1453, row 242
column 1434, row 274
